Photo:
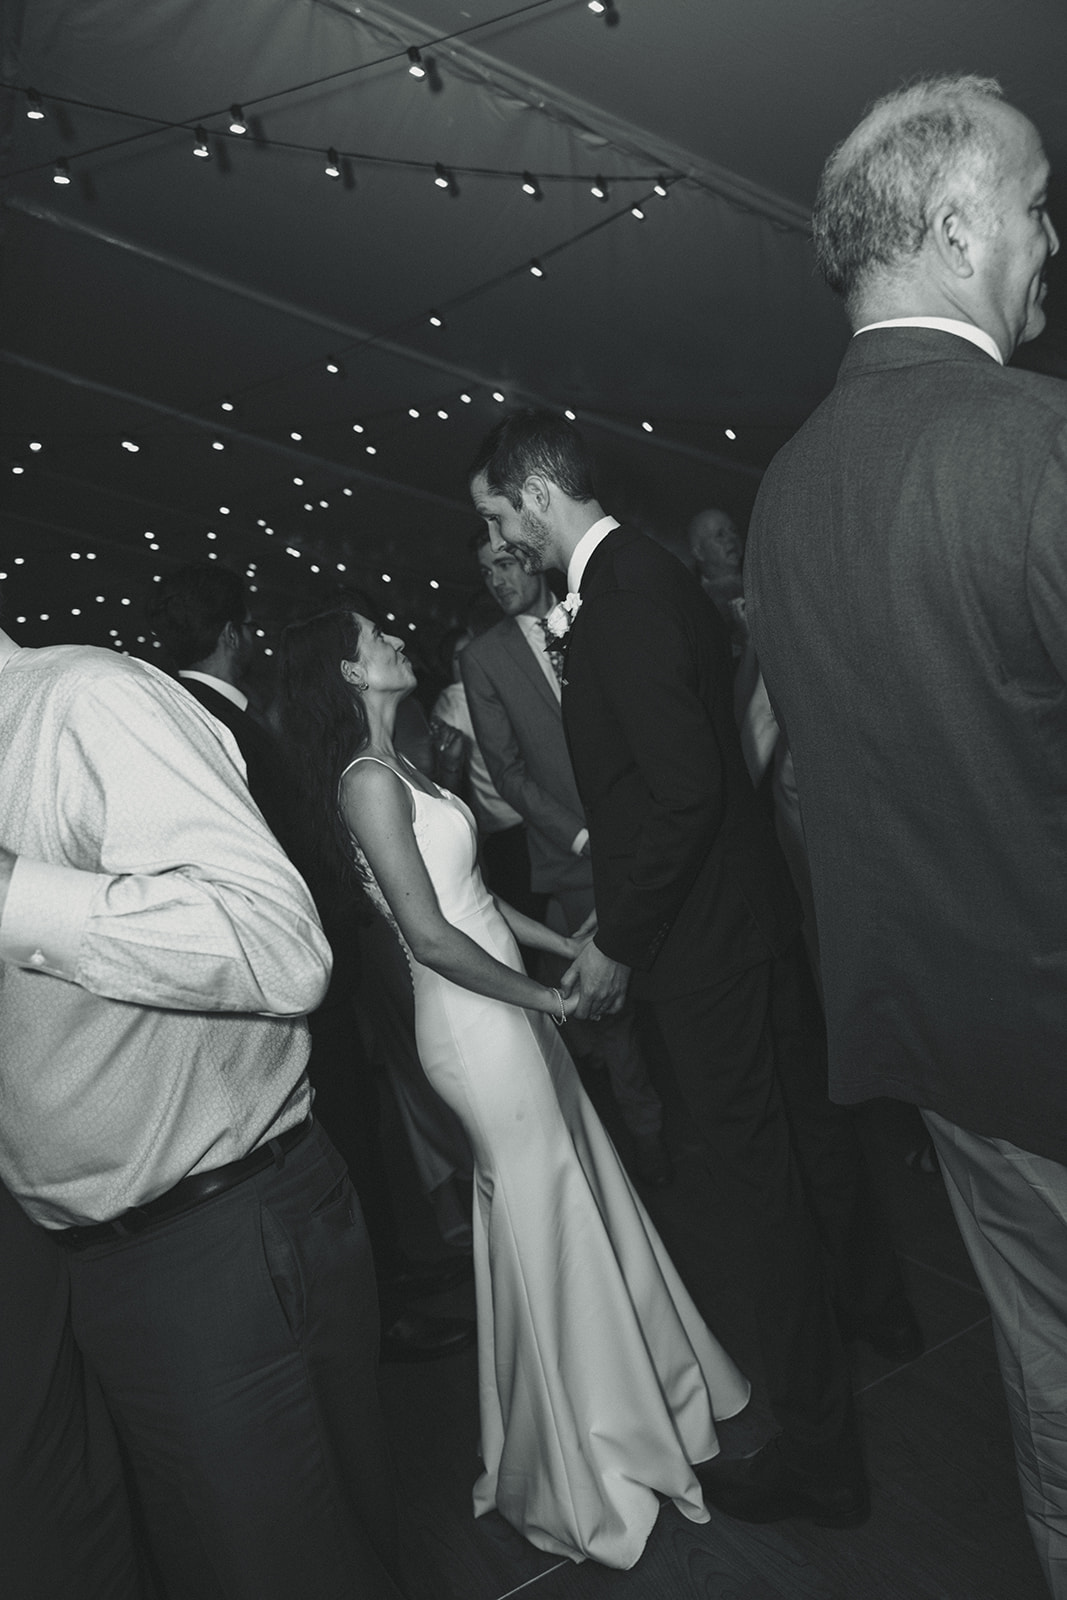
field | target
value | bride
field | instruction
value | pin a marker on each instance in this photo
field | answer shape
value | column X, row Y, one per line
column 599, row 1382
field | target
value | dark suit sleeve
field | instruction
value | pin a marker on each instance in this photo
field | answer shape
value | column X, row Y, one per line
column 1046, row 565
column 646, row 661
column 503, row 756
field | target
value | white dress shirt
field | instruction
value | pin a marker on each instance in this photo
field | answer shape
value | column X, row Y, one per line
column 584, row 549
column 534, row 634
column 157, row 949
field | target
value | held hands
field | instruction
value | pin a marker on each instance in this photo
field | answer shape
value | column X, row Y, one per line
column 598, row 981
column 575, row 943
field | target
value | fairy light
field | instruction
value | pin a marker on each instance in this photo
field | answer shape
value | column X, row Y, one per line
column 413, row 413
column 35, row 445
column 371, row 450
column 334, row 366
column 332, row 168
column 531, row 186
column 730, row 434
column 227, row 404
column 346, row 490
column 357, row 427
column 441, row 178
column 297, row 437
column 599, row 189
column 498, row 397
column 131, row 446
column 238, row 124
column 299, row 482
column 61, row 171
column 436, row 320
column 536, row 268
column 647, row 426
column 34, row 108
column 443, row 414
column 434, row 583
column 415, row 66
column 224, row 511
column 466, row 399
column 217, row 444
column 201, row 147
column 635, row 211
column 570, row 416
column 661, row 188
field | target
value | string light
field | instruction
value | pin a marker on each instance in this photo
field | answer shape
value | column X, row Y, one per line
column 357, row 427
column 131, row 446
column 635, row 211
column 570, row 416
column 201, row 147
column 334, row 366
column 413, row 412
column 599, row 188
column 441, row 177
column 18, row 469
column 217, row 444
column 297, row 437
column 596, row 6
column 498, row 397
column 226, row 404
column 443, row 415
column 436, row 321
column 466, row 399
column 730, row 434
column 536, row 268
column 647, row 426
column 35, row 445
column 661, row 188
column 332, row 168
column 299, row 482
column 531, row 186
column 61, row 171
column 415, row 66
column 238, row 124
column 34, row 108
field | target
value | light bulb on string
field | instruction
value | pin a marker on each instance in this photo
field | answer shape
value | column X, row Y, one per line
column 436, row 321
column 297, row 437
column 647, row 426
column 34, row 108
column 635, row 211
column 334, row 366
column 413, row 412
column 466, row 399
column 217, row 444
column 445, row 179
column 131, row 445
column 531, row 186
column 570, row 416
column 443, row 415
column 599, row 189
column 35, row 445
column 357, row 427
column 227, row 404
column 730, row 434
column 415, row 66
column 498, row 397
column 201, row 148
column 238, row 124
column 61, row 171
column 536, row 268
column 332, row 168
column 661, row 187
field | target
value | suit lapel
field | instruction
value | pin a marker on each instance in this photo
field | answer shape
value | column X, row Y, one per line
column 517, row 646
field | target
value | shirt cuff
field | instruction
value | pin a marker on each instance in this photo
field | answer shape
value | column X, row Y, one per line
column 45, row 915
column 580, row 841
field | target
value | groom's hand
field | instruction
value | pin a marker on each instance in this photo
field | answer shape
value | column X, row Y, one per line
column 601, row 980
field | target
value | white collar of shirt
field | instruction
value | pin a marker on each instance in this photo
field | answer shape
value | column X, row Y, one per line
column 584, row 549
column 963, row 330
column 220, row 686
column 8, row 648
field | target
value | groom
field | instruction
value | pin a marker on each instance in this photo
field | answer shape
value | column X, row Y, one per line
column 697, row 913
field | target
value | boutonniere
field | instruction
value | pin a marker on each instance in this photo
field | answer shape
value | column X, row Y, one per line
column 559, row 619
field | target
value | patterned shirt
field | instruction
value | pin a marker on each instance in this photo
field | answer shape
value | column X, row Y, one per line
column 157, row 949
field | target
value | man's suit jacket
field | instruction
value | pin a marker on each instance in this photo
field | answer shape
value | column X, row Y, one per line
column 268, row 782
column 907, row 584
column 691, row 887
column 519, row 728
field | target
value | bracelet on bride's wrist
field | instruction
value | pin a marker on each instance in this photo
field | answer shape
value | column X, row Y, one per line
column 561, row 1019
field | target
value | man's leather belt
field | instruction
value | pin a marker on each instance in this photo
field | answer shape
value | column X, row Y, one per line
column 184, row 1196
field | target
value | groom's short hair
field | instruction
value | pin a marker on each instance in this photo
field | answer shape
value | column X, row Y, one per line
column 535, row 441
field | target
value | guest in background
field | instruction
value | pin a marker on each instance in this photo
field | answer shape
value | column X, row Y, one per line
column 908, row 594
column 718, row 553
column 513, row 688
column 200, row 614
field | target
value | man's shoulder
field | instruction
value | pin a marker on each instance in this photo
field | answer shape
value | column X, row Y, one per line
column 70, row 671
column 489, row 644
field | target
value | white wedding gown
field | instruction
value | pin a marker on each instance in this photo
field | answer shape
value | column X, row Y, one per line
column 598, row 1379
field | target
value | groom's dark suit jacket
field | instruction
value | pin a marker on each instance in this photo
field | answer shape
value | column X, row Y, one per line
column 907, row 579
column 691, row 887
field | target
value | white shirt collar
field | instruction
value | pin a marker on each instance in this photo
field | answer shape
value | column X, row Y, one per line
column 8, row 648
column 964, row 330
column 220, row 686
column 584, row 549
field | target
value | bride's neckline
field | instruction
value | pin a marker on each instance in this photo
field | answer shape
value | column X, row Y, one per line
column 418, row 781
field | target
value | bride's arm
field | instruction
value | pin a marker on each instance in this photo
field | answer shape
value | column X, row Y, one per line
column 535, row 935
column 377, row 809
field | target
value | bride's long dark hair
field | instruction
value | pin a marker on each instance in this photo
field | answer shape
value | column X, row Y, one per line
column 325, row 726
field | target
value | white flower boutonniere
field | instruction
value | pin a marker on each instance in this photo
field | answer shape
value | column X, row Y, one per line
column 559, row 619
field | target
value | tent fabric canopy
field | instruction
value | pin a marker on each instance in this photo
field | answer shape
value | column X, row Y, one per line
column 157, row 285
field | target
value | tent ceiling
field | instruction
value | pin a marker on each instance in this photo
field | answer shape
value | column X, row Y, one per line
column 155, row 285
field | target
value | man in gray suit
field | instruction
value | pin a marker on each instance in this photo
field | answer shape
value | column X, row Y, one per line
column 907, row 594
column 513, row 691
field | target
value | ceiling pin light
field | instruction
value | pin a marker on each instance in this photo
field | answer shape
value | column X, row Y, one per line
column 346, row 490
column 61, row 171
column 531, row 186
column 570, row 416
column 434, row 583
column 334, row 366
column 498, row 397
column 357, row 427
column 237, row 120
column 299, row 482
column 647, row 426
column 34, row 108
column 443, row 415
column 730, row 434
column 415, row 66
column 18, row 469
column 536, row 268
column 466, row 399
column 332, row 168
column 413, row 412
column 201, row 147
column 226, row 405
column 35, row 445
column 296, row 436
column 217, row 444
column 436, row 321
column 599, row 189
column 371, row 450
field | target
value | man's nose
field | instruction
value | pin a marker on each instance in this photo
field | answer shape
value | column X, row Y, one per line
column 1053, row 236
column 496, row 543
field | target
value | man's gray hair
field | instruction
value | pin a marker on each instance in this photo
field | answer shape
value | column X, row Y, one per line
column 931, row 141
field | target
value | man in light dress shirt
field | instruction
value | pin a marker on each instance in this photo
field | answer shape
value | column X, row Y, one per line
column 513, row 691
column 157, row 955
column 907, row 589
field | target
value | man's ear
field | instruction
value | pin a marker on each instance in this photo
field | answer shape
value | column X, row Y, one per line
column 228, row 639
column 951, row 237
column 539, row 489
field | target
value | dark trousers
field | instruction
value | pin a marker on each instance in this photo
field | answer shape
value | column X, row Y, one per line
column 721, row 1042
column 236, row 1346
column 64, row 1517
